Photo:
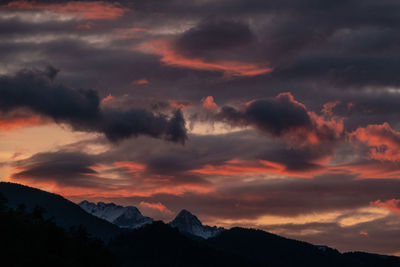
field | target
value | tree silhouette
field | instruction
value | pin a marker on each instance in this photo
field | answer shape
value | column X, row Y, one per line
column 3, row 203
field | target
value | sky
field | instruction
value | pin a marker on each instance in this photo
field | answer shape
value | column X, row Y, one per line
column 278, row 115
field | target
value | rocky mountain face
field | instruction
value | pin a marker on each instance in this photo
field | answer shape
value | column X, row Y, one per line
column 188, row 223
column 124, row 217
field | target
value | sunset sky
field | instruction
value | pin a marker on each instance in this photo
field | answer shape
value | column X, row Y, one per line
column 274, row 114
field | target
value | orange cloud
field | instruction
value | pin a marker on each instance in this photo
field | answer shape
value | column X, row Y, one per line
column 107, row 99
column 157, row 206
column 209, row 104
column 130, row 166
column 369, row 169
column 11, row 124
column 392, row 205
column 363, row 233
column 111, row 190
column 330, row 128
column 142, row 81
column 382, row 140
column 238, row 167
column 179, row 104
column 86, row 10
column 169, row 56
column 327, row 108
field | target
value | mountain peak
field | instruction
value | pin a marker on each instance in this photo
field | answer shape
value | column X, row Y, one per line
column 188, row 223
column 126, row 217
column 186, row 217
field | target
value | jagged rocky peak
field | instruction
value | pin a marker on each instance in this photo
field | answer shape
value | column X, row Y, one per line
column 188, row 223
column 126, row 217
column 185, row 216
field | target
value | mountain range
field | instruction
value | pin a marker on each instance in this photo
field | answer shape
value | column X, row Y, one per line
column 136, row 240
column 124, row 217
column 130, row 217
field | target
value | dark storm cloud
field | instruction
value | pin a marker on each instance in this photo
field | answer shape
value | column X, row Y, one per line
column 36, row 91
column 200, row 151
column 69, row 166
column 213, row 34
column 62, row 167
column 276, row 116
column 310, row 51
column 299, row 159
column 313, row 135
column 165, row 158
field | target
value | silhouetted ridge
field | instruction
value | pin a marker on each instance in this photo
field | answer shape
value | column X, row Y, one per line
column 66, row 213
column 158, row 244
column 30, row 239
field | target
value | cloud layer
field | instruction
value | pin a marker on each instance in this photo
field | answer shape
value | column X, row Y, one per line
column 36, row 91
column 289, row 115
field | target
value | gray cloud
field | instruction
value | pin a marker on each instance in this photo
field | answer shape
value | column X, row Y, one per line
column 36, row 91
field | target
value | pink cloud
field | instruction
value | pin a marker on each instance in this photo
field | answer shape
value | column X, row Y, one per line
column 209, row 104
column 142, row 81
column 107, row 99
column 383, row 142
column 392, row 205
column 170, row 57
column 157, row 206
column 86, row 10
column 238, row 167
column 8, row 124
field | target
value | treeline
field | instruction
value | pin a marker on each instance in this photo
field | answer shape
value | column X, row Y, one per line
column 27, row 239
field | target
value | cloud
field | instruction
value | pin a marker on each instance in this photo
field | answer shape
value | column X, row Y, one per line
column 80, row 9
column 157, row 206
column 142, row 81
column 252, row 167
column 284, row 116
column 392, row 205
column 374, row 236
column 62, row 167
column 19, row 119
column 107, row 99
column 209, row 104
column 213, row 35
column 36, row 91
column 383, row 142
column 276, row 116
column 172, row 57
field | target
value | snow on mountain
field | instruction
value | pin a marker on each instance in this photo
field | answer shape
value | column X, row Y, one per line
column 125, row 217
column 186, row 222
